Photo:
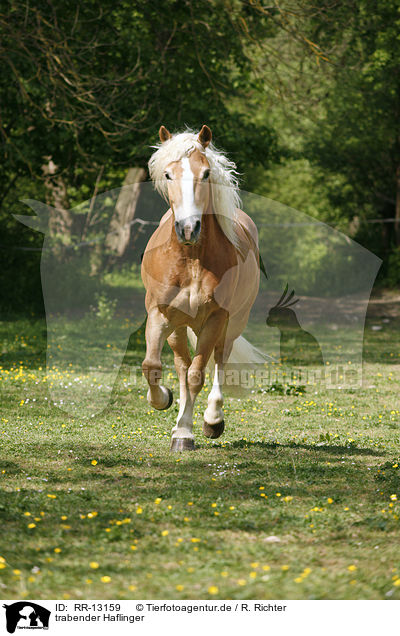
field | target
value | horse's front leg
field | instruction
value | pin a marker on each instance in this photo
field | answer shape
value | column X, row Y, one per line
column 182, row 436
column 214, row 424
column 158, row 329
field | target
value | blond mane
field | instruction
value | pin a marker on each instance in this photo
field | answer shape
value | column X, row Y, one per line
column 223, row 177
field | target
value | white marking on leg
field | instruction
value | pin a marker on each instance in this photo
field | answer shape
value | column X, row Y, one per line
column 184, row 421
column 214, row 413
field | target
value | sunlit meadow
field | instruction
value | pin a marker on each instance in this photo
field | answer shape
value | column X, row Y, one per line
column 299, row 499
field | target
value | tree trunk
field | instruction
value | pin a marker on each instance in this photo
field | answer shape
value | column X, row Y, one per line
column 60, row 219
column 397, row 213
column 119, row 232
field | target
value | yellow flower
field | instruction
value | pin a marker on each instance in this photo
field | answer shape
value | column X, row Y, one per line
column 139, row 510
column 64, row 518
column 253, row 575
column 57, row 550
column 351, row 568
column 231, row 507
column 133, row 547
column 278, row 494
column 213, row 505
column 330, row 500
column 213, row 589
column 31, row 525
column 132, row 588
column 241, row 582
column 164, row 533
column 27, row 514
column 266, row 567
column 94, row 462
column 158, row 500
column 397, row 582
column 255, row 564
column 17, row 572
column 393, row 497
column 2, row 566
column 284, row 567
column 224, row 574
column 179, row 588
column 52, row 496
column 94, row 565
column 2, row 559
column 105, row 579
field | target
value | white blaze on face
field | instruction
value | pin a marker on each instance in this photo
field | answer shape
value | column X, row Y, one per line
column 187, row 206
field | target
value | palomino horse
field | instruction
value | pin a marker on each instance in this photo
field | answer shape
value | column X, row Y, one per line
column 201, row 271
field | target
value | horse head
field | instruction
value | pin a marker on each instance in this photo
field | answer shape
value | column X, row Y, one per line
column 185, row 182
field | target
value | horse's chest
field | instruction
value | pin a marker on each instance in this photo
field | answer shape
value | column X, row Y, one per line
column 193, row 298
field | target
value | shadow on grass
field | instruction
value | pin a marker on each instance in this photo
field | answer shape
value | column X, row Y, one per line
column 325, row 448
column 118, row 483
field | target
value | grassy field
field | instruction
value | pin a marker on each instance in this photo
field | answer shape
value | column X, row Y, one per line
column 299, row 499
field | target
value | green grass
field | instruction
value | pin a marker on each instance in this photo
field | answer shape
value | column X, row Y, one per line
column 318, row 471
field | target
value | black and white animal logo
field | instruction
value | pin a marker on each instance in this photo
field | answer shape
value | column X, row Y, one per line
column 26, row 615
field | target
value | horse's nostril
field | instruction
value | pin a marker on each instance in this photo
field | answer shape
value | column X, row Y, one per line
column 197, row 227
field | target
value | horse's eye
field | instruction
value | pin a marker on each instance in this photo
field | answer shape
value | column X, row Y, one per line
column 167, row 176
column 206, row 174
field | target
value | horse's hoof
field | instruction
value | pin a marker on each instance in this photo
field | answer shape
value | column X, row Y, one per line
column 170, row 400
column 179, row 444
column 213, row 431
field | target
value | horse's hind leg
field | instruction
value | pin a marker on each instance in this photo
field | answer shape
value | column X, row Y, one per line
column 182, row 436
column 157, row 330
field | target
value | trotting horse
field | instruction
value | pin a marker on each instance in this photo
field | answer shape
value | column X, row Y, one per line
column 201, row 271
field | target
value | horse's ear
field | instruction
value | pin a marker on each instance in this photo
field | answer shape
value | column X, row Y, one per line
column 164, row 134
column 205, row 136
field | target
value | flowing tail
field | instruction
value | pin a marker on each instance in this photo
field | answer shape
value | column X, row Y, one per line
column 243, row 352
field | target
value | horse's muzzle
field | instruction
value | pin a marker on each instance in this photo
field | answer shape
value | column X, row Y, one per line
column 188, row 230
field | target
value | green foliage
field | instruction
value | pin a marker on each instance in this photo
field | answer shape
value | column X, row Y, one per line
column 393, row 269
column 90, row 86
column 304, row 99
column 356, row 134
column 105, row 307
